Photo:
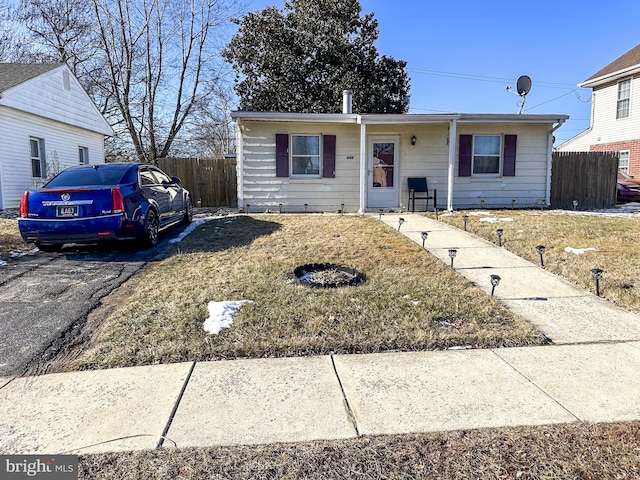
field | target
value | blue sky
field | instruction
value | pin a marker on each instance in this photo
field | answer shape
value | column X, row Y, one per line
column 462, row 54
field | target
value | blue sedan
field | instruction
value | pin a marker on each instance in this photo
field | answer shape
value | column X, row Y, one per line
column 111, row 201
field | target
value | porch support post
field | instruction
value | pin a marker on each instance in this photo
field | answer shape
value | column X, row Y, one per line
column 452, row 163
column 240, row 162
column 363, row 167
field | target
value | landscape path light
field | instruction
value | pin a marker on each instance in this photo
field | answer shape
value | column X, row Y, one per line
column 495, row 281
column 500, row 233
column 424, row 237
column 541, row 249
column 342, row 209
column 597, row 273
column 248, row 207
column 435, row 209
column 279, row 208
column 452, row 255
column 380, row 213
column 513, row 203
column 465, row 219
column 482, row 203
column 400, row 222
column 575, row 204
column 306, row 206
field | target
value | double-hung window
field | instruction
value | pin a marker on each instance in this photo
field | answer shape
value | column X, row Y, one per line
column 624, row 96
column 487, row 150
column 83, row 155
column 305, row 155
column 38, row 166
column 623, row 161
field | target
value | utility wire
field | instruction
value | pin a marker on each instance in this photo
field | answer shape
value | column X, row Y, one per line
column 484, row 78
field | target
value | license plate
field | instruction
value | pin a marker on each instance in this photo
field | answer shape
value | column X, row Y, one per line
column 67, row 211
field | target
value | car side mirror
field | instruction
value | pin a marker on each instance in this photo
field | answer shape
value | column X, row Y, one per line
column 175, row 180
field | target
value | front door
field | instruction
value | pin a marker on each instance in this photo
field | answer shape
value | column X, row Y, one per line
column 383, row 191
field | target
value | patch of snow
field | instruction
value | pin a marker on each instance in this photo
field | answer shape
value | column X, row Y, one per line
column 221, row 315
column 2, row 263
column 479, row 213
column 22, row 254
column 579, row 251
column 496, row 220
column 190, row 228
column 307, row 277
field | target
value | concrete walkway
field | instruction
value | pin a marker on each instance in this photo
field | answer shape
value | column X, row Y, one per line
column 589, row 374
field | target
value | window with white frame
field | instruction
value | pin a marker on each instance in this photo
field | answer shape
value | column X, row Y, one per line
column 38, row 165
column 83, row 155
column 486, row 154
column 623, row 161
column 624, row 96
column 305, row 155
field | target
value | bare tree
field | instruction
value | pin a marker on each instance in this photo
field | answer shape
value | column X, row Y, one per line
column 161, row 58
column 61, row 31
column 152, row 66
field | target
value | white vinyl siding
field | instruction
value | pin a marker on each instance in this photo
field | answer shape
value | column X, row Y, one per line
column 605, row 126
column 428, row 158
column 265, row 191
column 46, row 96
column 61, row 150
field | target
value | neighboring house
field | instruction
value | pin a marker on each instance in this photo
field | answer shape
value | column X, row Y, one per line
column 615, row 113
column 363, row 161
column 48, row 123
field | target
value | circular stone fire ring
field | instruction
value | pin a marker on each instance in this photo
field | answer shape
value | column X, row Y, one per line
column 327, row 275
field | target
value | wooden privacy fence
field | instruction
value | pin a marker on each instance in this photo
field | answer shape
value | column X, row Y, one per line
column 586, row 177
column 212, row 182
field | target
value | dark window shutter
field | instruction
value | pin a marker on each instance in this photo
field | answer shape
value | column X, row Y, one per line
column 282, row 155
column 329, row 156
column 509, row 160
column 464, row 155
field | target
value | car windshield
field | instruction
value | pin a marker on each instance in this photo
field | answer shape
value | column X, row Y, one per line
column 78, row 177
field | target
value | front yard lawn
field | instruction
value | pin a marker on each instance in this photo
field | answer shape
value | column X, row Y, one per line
column 410, row 301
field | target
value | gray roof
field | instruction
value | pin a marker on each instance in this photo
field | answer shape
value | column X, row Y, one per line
column 12, row 74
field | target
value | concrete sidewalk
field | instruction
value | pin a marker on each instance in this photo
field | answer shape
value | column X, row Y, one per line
column 590, row 374
column 560, row 309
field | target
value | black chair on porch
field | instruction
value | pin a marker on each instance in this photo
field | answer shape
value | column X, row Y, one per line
column 418, row 191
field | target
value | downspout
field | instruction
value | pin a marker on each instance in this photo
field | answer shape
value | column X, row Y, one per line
column 363, row 166
column 547, row 197
column 452, row 163
column 240, row 162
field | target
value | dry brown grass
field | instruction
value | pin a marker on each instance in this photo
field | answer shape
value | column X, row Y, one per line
column 10, row 240
column 407, row 295
column 578, row 451
column 616, row 241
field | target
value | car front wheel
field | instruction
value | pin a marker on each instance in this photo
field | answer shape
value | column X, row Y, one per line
column 188, row 212
column 151, row 227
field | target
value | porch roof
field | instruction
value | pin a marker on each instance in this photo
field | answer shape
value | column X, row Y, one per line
column 405, row 118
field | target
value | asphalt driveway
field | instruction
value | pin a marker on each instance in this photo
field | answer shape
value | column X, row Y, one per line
column 45, row 298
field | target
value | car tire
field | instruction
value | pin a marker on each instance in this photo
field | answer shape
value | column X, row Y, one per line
column 151, row 229
column 188, row 212
column 49, row 247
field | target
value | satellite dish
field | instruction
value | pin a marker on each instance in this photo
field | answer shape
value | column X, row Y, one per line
column 523, row 85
